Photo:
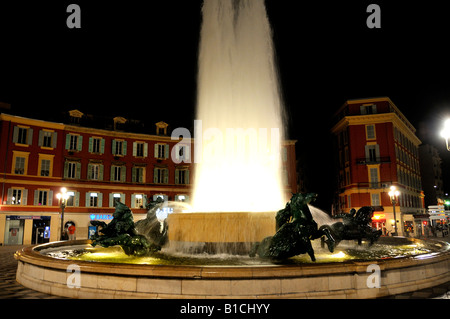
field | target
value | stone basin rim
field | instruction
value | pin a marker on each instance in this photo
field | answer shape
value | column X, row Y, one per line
column 31, row 255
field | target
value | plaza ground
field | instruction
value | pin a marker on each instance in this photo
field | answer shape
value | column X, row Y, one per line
column 11, row 289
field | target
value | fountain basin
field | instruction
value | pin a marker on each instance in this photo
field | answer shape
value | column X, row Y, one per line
column 348, row 279
column 231, row 233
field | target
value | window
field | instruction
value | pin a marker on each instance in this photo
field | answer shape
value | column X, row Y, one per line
column 373, row 177
column 138, row 174
column 182, row 198
column 72, row 170
column 45, row 167
column 22, row 135
column 368, row 109
column 140, row 149
column 47, row 139
column 182, row 176
column 94, row 199
column 119, row 147
column 138, row 200
column 161, row 175
column 370, row 132
column 20, row 166
column 43, row 197
column 71, row 199
column 96, row 145
column 118, row 173
column 372, row 153
column 74, row 142
column 95, row 171
column 17, row 196
column 114, row 198
column 162, row 151
column 376, row 199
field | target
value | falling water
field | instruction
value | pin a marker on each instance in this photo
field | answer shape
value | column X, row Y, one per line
column 240, row 109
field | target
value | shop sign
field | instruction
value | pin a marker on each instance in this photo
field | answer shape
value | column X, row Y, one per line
column 19, row 217
column 100, row 216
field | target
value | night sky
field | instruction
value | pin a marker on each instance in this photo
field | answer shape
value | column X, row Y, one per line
column 139, row 60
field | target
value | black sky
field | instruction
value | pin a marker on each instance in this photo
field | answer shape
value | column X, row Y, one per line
column 139, row 59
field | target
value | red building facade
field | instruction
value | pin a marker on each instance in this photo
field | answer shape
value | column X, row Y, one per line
column 377, row 148
column 97, row 167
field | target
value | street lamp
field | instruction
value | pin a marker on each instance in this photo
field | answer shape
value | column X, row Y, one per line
column 63, row 196
column 445, row 133
column 393, row 194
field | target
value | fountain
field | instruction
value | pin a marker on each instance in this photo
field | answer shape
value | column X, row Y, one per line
column 238, row 190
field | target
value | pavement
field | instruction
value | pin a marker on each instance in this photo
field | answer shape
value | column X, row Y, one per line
column 11, row 289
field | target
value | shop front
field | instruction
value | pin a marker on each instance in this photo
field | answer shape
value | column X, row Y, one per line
column 27, row 229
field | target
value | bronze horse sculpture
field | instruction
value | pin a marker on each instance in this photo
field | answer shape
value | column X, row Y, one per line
column 354, row 226
column 295, row 228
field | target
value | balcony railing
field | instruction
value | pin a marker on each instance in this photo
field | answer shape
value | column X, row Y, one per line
column 373, row 160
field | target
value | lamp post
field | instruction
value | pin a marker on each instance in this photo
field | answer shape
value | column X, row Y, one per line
column 393, row 194
column 63, row 196
column 445, row 133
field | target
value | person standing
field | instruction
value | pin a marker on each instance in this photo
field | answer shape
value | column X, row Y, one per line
column 71, row 231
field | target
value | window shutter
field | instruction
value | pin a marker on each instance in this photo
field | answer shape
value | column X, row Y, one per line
column 30, row 136
column 156, row 150
column 155, row 175
column 177, row 153
column 67, row 141
column 77, row 199
column 134, row 175
column 374, row 109
column 166, row 151
column 66, row 169
column 24, row 196
column 41, row 138
column 113, row 145
column 133, row 201
column 36, row 197
column 177, row 172
column 111, row 200
column 124, row 148
column 362, row 109
column 54, row 139
column 166, row 176
column 91, row 142
column 100, row 172
column 99, row 199
column 144, row 200
column 145, row 149
column 9, row 199
column 88, row 198
column 78, row 172
column 89, row 172
column 102, row 145
column 284, row 154
column 134, row 148
column 122, row 198
column 80, row 143
column 123, row 174
column 50, row 198
column 15, row 134
column 112, row 173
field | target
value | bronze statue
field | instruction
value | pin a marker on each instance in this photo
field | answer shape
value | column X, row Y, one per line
column 295, row 228
column 355, row 225
column 122, row 231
